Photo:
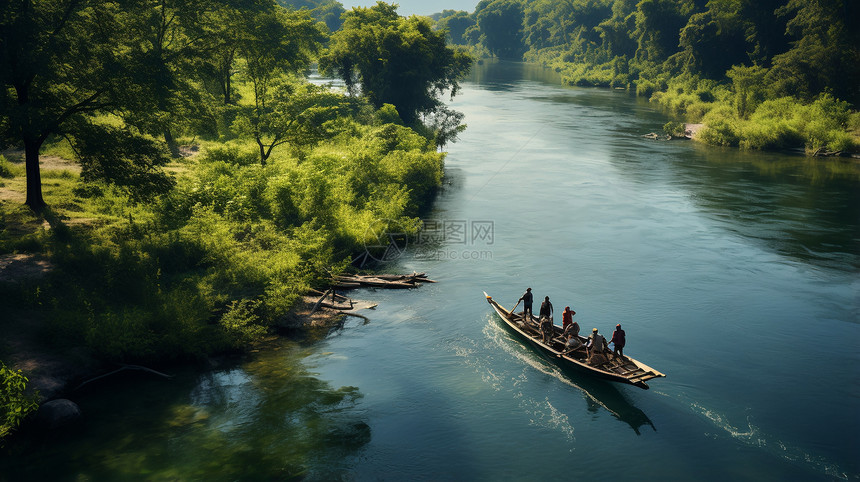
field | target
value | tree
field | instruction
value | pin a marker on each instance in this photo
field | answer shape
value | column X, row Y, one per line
column 169, row 37
column 658, row 25
column 615, row 31
column 295, row 113
column 61, row 62
column 825, row 53
column 284, row 43
column 329, row 12
column 748, row 85
column 395, row 60
column 501, row 26
column 456, row 23
column 446, row 125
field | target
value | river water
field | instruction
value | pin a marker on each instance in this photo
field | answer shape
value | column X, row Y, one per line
column 735, row 273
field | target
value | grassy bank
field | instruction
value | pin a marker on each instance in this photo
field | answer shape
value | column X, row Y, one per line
column 218, row 261
column 734, row 113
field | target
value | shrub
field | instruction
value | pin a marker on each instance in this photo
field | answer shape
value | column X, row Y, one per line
column 675, row 129
column 15, row 403
column 9, row 170
column 242, row 323
column 773, row 134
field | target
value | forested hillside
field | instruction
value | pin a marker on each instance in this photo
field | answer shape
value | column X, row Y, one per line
column 760, row 74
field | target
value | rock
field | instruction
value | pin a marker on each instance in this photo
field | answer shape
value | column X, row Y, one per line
column 58, row 413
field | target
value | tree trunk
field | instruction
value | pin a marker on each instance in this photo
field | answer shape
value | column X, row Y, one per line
column 171, row 143
column 227, row 86
column 34, row 175
column 263, row 155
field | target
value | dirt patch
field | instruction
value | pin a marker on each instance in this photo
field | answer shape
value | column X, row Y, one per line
column 691, row 130
column 191, row 150
column 50, row 371
column 51, row 163
column 18, row 267
column 302, row 315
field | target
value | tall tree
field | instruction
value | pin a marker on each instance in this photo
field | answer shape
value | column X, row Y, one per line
column 284, row 42
column 395, row 60
column 61, row 61
column 296, row 113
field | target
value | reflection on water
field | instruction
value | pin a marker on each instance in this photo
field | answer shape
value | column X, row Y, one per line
column 505, row 76
column 805, row 209
column 267, row 419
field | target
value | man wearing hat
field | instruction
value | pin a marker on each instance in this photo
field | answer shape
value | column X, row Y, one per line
column 618, row 340
column 596, row 343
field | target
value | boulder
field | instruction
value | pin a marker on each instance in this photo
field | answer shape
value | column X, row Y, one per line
column 58, row 413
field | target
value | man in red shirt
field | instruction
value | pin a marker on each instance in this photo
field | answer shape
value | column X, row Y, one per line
column 619, row 340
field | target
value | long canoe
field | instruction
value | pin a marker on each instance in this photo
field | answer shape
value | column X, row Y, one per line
column 617, row 369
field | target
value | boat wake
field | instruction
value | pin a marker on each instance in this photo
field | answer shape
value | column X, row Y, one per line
column 541, row 413
column 752, row 436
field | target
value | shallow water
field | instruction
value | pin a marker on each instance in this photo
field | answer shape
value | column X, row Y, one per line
column 734, row 273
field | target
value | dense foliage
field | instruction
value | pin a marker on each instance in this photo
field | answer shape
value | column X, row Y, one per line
column 395, row 60
column 161, row 254
column 716, row 61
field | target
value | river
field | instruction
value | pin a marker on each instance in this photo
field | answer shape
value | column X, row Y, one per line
column 735, row 273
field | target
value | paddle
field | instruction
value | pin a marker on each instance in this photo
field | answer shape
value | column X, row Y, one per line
column 515, row 306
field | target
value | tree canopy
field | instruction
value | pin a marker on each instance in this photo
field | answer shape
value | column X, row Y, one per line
column 394, row 60
column 807, row 46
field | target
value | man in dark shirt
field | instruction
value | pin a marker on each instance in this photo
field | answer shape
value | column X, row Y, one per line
column 546, row 308
column 619, row 340
column 546, row 319
column 527, row 300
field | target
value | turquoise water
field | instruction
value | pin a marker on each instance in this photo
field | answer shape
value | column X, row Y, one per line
column 735, row 273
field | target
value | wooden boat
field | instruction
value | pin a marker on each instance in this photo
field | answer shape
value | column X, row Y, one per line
column 617, row 369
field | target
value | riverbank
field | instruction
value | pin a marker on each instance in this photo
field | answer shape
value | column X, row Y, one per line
column 213, row 266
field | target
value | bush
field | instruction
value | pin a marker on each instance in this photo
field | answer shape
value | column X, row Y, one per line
column 772, row 134
column 15, row 404
column 9, row 170
column 675, row 129
column 242, row 323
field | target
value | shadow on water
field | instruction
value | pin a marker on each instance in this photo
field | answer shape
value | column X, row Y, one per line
column 268, row 418
column 601, row 394
column 598, row 394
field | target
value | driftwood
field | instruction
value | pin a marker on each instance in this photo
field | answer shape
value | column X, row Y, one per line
column 657, row 137
column 319, row 301
column 380, row 281
column 122, row 368
column 823, row 152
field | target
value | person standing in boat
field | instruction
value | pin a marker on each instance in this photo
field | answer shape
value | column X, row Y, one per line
column 567, row 323
column 546, row 319
column 546, row 308
column 527, row 300
column 618, row 340
column 596, row 344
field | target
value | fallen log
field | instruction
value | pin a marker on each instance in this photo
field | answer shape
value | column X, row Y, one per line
column 380, row 280
column 319, row 301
